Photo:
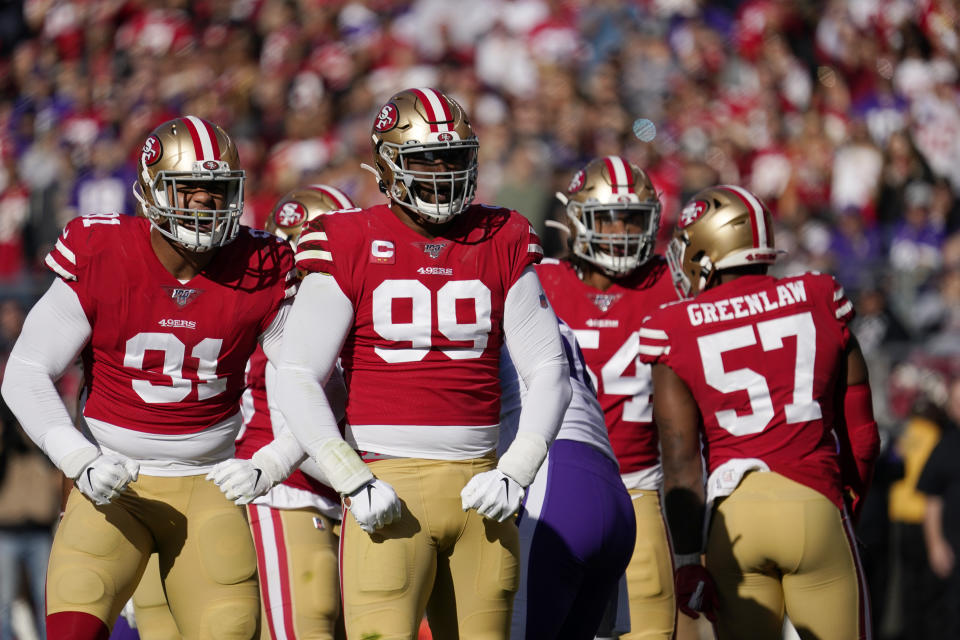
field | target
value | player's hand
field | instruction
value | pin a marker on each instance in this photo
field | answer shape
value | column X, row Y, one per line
column 241, row 480
column 493, row 494
column 106, row 477
column 374, row 505
column 696, row 592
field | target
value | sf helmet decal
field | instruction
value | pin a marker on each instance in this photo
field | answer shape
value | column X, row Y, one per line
column 577, row 182
column 387, row 118
column 692, row 212
column 290, row 214
column 152, row 150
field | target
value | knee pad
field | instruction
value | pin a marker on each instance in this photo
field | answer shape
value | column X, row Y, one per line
column 234, row 619
column 643, row 574
column 226, row 548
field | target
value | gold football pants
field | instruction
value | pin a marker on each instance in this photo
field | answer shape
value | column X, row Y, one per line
column 469, row 563
column 650, row 572
column 298, row 571
column 205, row 552
column 778, row 546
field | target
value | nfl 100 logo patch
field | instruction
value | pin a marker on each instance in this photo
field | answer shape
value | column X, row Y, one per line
column 182, row 295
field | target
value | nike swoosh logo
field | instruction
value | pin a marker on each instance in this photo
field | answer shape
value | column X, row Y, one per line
column 506, row 487
column 89, row 480
column 369, row 497
column 257, row 479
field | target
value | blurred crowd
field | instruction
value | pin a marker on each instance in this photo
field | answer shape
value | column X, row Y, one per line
column 843, row 115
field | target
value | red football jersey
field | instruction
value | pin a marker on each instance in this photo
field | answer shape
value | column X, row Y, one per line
column 258, row 428
column 762, row 357
column 606, row 324
column 167, row 357
column 425, row 345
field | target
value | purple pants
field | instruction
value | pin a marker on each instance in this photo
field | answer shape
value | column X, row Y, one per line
column 577, row 532
column 122, row 631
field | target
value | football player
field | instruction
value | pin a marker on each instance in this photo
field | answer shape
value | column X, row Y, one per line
column 418, row 295
column 577, row 526
column 767, row 373
column 165, row 310
column 611, row 281
column 295, row 524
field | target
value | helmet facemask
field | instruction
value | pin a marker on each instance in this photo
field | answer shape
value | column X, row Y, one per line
column 435, row 196
column 676, row 259
column 196, row 229
column 615, row 253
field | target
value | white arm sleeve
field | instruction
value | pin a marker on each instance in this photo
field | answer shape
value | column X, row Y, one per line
column 54, row 332
column 533, row 339
column 319, row 321
column 272, row 338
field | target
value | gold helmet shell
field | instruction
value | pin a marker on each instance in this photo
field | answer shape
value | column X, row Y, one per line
column 611, row 190
column 191, row 151
column 302, row 205
column 719, row 228
column 424, row 122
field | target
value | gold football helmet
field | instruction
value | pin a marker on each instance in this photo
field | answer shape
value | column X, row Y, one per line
column 613, row 215
column 431, row 127
column 190, row 151
column 719, row 228
column 300, row 206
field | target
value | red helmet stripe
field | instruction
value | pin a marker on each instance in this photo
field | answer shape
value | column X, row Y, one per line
column 438, row 111
column 758, row 223
column 621, row 177
column 204, row 140
column 343, row 202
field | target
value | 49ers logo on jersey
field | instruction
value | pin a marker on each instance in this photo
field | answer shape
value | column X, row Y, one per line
column 692, row 212
column 387, row 118
column 152, row 150
column 290, row 214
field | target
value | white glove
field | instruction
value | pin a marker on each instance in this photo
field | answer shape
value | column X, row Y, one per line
column 243, row 481
column 127, row 614
column 493, row 494
column 103, row 479
column 374, row 505
column 240, row 480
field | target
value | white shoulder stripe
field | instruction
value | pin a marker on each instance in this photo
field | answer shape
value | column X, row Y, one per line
column 314, row 254
column 838, row 294
column 535, row 248
column 653, row 334
column 654, row 351
column 50, row 262
column 315, row 236
column 289, row 292
column 69, row 255
column 843, row 310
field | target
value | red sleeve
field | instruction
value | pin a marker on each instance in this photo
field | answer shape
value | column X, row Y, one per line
column 68, row 257
column 83, row 239
column 527, row 251
column 654, row 340
column 287, row 279
column 327, row 246
column 842, row 307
